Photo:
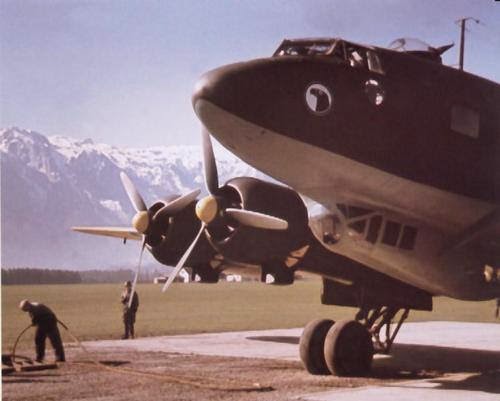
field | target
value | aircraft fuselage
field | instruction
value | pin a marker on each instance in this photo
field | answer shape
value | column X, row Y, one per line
column 409, row 139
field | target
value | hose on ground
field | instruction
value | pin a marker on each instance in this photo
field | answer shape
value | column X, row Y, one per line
column 195, row 381
column 13, row 357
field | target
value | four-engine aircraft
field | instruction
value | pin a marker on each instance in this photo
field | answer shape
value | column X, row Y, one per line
column 400, row 155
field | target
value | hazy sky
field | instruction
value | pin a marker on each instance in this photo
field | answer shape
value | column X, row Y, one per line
column 122, row 72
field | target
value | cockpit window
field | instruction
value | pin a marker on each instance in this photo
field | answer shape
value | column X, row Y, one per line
column 419, row 48
column 410, row 45
column 374, row 63
column 361, row 57
column 305, row 47
column 356, row 56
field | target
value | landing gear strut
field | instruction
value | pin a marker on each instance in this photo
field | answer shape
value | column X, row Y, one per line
column 375, row 319
column 346, row 347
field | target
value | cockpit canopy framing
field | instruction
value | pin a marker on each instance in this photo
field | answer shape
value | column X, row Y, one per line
column 355, row 55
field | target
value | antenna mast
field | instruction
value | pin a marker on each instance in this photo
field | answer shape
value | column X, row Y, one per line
column 462, row 22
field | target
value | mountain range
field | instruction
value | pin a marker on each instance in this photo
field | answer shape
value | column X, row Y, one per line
column 50, row 183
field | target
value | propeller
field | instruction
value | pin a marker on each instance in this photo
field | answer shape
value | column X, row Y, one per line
column 211, row 174
column 144, row 221
column 180, row 263
column 176, row 205
column 133, row 194
column 256, row 219
column 137, row 272
column 210, row 208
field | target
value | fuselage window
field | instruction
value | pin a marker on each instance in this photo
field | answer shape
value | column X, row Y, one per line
column 465, row 121
column 358, row 226
column 373, row 229
column 408, row 238
column 355, row 211
column 391, row 233
column 343, row 209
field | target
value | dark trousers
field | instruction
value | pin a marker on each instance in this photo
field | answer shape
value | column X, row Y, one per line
column 128, row 321
column 50, row 330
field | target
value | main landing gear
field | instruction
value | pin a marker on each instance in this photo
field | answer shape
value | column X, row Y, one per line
column 346, row 347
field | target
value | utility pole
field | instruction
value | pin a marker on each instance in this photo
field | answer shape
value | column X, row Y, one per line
column 462, row 22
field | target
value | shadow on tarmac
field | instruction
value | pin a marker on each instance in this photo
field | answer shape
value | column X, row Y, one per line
column 488, row 382
column 442, row 359
column 416, row 362
column 114, row 363
column 276, row 339
column 429, row 361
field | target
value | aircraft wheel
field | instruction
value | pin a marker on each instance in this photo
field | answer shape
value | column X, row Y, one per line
column 348, row 349
column 311, row 346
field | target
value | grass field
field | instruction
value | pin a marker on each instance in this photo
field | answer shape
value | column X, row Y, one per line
column 93, row 311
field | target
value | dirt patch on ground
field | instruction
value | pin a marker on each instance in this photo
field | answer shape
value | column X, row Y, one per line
column 131, row 375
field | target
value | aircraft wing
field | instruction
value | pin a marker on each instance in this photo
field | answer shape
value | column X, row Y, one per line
column 486, row 229
column 484, row 236
column 117, row 232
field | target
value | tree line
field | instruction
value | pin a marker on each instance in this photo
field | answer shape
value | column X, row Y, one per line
column 50, row 276
column 40, row 276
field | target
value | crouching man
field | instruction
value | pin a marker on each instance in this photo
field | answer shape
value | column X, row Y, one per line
column 46, row 326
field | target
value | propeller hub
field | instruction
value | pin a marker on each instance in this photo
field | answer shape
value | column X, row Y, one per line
column 141, row 221
column 207, row 209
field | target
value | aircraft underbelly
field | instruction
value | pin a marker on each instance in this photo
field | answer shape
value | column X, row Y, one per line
column 329, row 179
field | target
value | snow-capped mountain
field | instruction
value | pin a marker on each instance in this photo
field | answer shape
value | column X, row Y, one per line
column 49, row 184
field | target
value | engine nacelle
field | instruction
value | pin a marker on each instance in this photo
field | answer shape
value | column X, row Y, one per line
column 174, row 235
column 246, row 244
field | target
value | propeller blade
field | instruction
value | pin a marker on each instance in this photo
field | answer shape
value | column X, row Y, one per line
column 177, row 205
column 211, row 175
column 257, row 220
column 181, row 262
column 117, row 232
column 138, row 271
column 132, row 193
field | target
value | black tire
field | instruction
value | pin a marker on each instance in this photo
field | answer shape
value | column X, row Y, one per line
column 348, row 349
column 311, row 346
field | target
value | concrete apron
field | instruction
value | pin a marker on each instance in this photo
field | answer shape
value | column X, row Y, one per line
column 466, row 355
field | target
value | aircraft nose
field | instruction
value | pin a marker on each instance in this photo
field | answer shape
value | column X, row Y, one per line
column 242, row 91
column 258, row 95
column 202, row 89
column 217, row 87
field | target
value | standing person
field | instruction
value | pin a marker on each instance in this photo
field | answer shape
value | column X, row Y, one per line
column 46, row 325
column 129, row 312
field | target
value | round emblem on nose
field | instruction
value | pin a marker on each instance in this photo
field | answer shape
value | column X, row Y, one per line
column 318, row 99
